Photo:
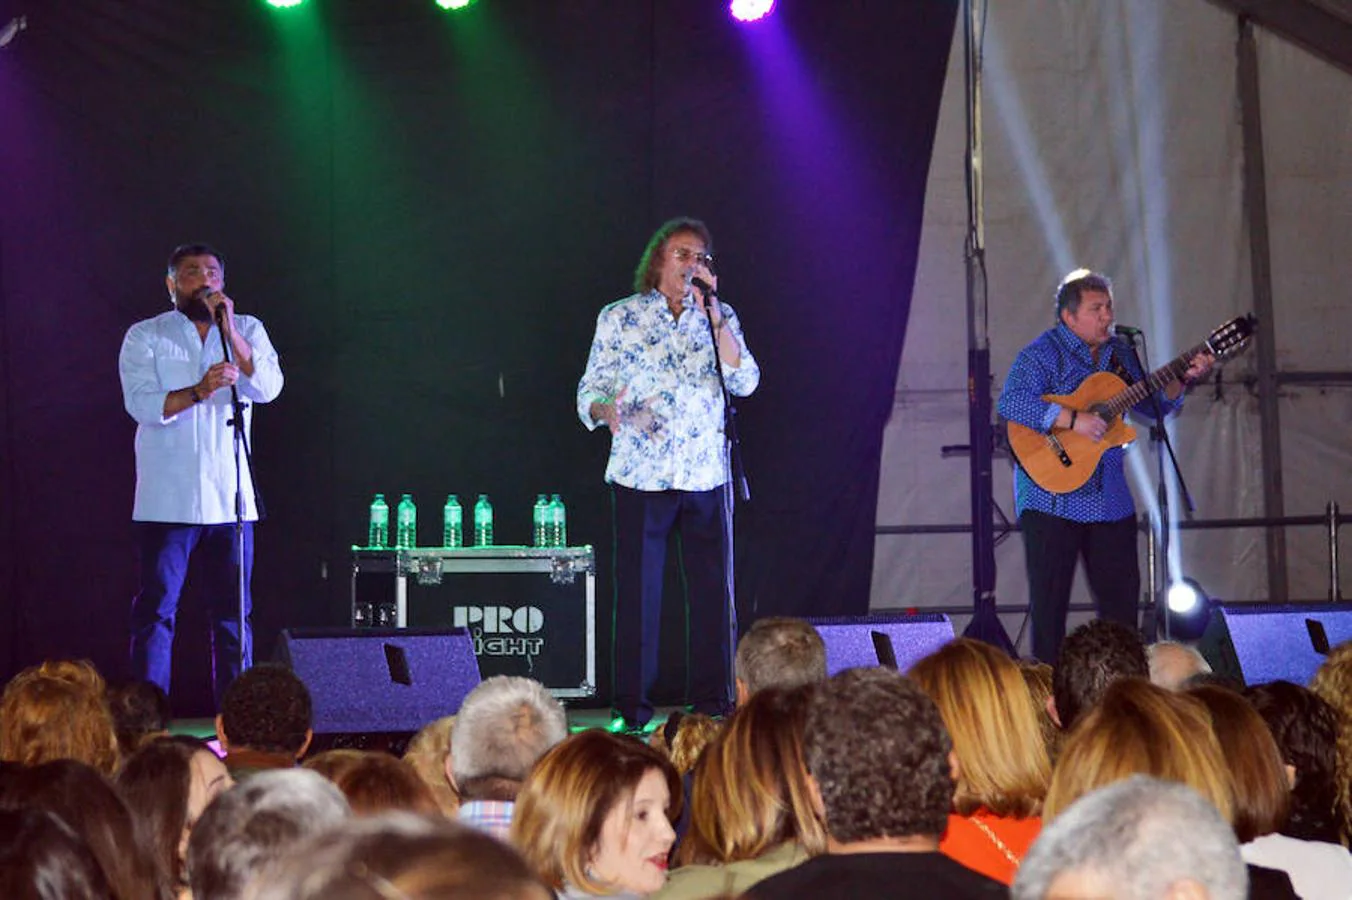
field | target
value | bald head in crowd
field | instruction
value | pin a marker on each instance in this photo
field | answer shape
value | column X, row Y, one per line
column 1173, row 663
column 779, row 652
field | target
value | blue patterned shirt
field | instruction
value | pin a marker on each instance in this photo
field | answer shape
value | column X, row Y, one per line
column 671, row 413
column 1057, row 363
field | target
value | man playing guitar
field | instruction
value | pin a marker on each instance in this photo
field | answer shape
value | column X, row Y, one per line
column 1097, row 519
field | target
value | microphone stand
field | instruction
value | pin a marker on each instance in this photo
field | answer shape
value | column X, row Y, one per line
column 736, row 468
column 236, row 421
column 1159, row 436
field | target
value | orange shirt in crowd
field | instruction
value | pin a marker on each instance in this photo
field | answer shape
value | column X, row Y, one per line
column 992, row 845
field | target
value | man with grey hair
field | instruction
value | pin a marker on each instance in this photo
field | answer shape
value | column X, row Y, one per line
column 258, row 821
column 1172, row 663
column 1136, row 839
column 503, row 726
column 779, row 652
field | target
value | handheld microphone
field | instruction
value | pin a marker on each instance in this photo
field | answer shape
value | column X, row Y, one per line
column 703, row 286
column 1126, row 331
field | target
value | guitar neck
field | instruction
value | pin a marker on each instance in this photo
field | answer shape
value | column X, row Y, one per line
column 1157, row 380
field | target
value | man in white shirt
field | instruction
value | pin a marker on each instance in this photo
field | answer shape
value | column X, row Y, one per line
column 176, row 385
column 651, row 379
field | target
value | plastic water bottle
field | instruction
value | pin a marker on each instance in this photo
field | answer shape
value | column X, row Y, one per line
column 542, row 521
column 378, row 534
column 452, row 523
column 558, row 521
column 483, row 522
column 406, row 524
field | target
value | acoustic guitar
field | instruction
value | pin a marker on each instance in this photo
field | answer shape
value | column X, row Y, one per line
column 1062, row 460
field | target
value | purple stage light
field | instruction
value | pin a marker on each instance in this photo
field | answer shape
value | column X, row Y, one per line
column 750, row 10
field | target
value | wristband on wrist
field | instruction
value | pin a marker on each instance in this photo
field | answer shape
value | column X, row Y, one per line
column 196, row 397
column 1073, row 414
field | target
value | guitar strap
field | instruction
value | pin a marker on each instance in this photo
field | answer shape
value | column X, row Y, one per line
column 1118, row 368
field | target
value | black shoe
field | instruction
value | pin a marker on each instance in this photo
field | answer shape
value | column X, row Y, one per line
column 714, row 709
column 622, row 724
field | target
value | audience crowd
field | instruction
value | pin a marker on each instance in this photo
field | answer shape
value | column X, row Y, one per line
column 1127, row 772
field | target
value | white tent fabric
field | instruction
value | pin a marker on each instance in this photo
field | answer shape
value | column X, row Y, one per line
column 1113, row 140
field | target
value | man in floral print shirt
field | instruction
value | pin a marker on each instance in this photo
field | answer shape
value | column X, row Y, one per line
column 651, row 381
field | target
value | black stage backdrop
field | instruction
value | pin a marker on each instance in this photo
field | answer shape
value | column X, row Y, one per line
column 427, row 210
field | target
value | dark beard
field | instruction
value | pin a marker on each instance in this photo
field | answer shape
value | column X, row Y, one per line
column 194, row 307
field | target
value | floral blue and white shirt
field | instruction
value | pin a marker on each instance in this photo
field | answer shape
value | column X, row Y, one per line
column 1057, row 362
column 660, row 371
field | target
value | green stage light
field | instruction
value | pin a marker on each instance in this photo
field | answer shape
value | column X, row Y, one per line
column 454, row 4
column 284, row 4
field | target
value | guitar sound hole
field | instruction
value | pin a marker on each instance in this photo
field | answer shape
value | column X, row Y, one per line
column 1101, row 410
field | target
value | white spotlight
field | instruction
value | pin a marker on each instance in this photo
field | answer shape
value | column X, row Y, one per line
column 1184, row 596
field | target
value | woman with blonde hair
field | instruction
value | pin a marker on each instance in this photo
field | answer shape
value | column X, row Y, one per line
column 1037, row 675
column 1333, row 683
column 1138, row 728
column 752, row 813
column 594, row 815
column 1002, row 764
column 428, row 752
column 684, row 737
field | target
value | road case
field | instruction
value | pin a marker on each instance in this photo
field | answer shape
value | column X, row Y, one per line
column 530, row 610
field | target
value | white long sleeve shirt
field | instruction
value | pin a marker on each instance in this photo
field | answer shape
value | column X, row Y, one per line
column 185, row 463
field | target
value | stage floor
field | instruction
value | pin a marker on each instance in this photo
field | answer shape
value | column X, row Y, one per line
column 579, row 719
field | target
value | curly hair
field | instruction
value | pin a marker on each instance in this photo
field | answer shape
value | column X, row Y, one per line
column 58, row 711
column 1333, row 682
column 267, row 708
column 684, row 738
column 1092, row 657
column 1305, row 727
column 878, row 750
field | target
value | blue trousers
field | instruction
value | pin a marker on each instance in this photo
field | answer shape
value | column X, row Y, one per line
column 164, row 552
column 643, row 521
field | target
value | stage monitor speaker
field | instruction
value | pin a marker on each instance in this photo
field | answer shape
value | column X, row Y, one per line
column 380, row 680
column 856, row 640
column 1258, row 643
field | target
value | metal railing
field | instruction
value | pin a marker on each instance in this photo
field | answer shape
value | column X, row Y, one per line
column 1329, row 521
